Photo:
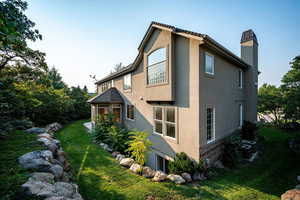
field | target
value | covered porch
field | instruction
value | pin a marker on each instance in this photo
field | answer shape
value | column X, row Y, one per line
column 108, row 102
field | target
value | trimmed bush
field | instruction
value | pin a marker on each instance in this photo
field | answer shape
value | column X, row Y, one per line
column 182, row 163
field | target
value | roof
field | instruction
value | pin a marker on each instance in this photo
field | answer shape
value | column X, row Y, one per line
column 208, row 41
column 109, row 96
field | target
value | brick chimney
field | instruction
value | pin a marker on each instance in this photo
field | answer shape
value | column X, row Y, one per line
column 249, row 54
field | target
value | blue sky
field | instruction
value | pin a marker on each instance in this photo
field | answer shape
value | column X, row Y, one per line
column 83, row 37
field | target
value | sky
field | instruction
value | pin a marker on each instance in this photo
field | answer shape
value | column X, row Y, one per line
column 89, row 37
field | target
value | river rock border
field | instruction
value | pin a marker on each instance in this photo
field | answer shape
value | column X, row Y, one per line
column 52, row 177
column 148, row 172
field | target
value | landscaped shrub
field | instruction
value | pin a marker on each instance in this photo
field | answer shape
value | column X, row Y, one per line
column 108, row 131
column 291, row 126
column 249, row 131
column 182, row 163
column 139, row 146
column 231, row 154
column 22, row 124
column 5, row 128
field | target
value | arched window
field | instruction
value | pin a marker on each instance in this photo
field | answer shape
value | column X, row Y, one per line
column 156, row 68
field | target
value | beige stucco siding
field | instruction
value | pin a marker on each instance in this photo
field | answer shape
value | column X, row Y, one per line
column 222, row 92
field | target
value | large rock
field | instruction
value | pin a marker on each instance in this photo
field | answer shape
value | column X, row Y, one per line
column 51, row 128
column 53, row 148
column 198, row 177
column 148, row 172
column 187, row 177
column 61, row 156
column 136, row 168
column 176, row 178
column 44, row 141
column 38, row 188
column 39, row 160
column 159, row 176
column 57, row 171
column 42, row 177
column 126, row 162
column 45, row 135
column 120, row 157
column 58, row 198
column 293, row 194
column 115, row 153
column 35, row 130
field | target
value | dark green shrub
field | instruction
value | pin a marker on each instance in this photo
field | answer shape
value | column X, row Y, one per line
column 22, row 124
column 249, row 131
column 182, row 163
column 232, row 155
column 5, row 128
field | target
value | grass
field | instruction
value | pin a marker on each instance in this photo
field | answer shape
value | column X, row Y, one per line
column 100, row 177
column 12, row 176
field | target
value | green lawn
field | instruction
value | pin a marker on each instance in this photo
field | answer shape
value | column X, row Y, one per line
column 12, row 176
column 100, row 177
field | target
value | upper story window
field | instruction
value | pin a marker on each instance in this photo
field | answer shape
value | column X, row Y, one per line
column 240, row 79
column 165, row 121
column 210, row 124
column 127, row 82
column 209, row 64
column 105, row 86
column 157, row 67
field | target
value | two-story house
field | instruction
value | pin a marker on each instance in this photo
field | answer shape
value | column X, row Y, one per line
column 185, row 89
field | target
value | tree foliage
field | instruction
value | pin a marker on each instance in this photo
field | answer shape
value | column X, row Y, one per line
column 15, row 30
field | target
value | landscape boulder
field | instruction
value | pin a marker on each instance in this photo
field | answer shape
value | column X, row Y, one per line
column 35, row 130
column 126, row 162
column 187, row 177
column 293, row 194
column 176, row 178
column 53, row 148
column 115, row 153
column 57, row 171
column 42, row 177
column 44, row 141
column 51, row 128
column 159, row 176
column 148, row 172
column 38, row 188
column 45, row 135
column 136, row 168
column 120, row 157
column 38, row 160
column 198, row 176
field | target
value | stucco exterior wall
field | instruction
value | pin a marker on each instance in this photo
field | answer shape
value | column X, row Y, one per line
column 222, row 92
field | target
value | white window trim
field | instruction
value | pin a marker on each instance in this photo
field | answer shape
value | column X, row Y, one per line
column 241, row 110
column 163, row 121
column 214, row 125
column 124, row 77
column 213, row 65
column 240, row 82
column 126, row 113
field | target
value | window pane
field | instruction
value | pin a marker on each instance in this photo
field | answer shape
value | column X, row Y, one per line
column 127, row 81
column 170, row 115
column 157, row 56
column 170, row 130
column 160, row 163
column 209, row 123
column 130, row 111
column 117, row 112
column 209, row 64
column 158, row 127
column 157, row 73
column 158, row 113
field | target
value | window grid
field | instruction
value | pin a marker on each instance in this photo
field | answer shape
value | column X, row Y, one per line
column 210, row 124
column 168, row 128
column 156, row 67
